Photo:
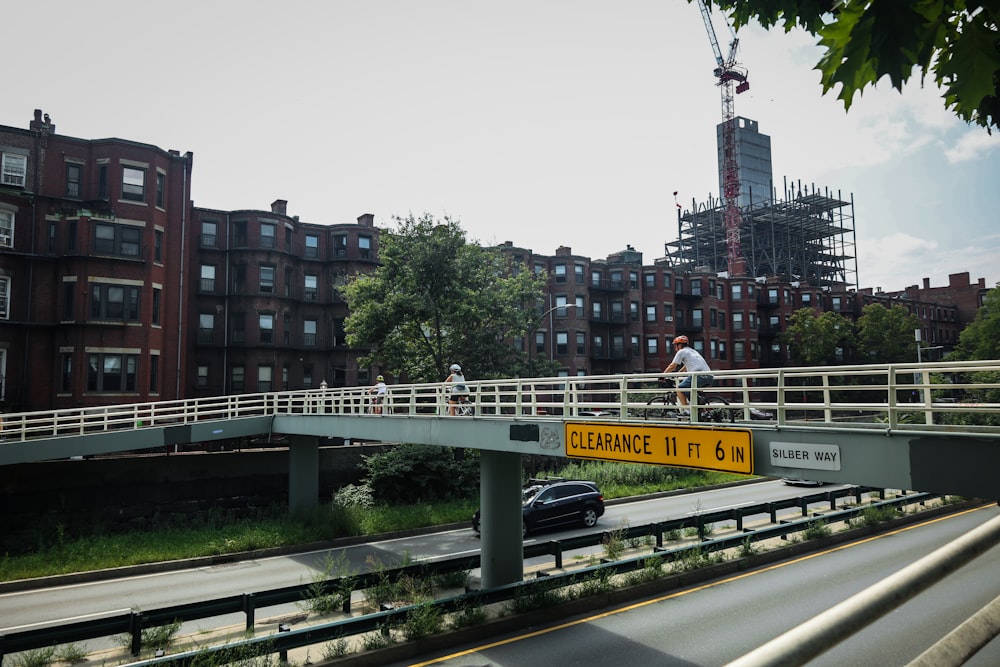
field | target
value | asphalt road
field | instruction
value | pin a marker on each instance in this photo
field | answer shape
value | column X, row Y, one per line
column 716, row 622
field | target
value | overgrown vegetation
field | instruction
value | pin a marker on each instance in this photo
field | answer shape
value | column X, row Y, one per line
column 354, row 510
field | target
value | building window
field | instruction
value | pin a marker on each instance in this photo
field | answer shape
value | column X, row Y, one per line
column 288, row 281
column 207, row 278
column 562, row 342
column 540, row 342
column 652, row 346
column 66, row 375
column 737, row 291
column 807, row 299
column 365, row 247
column 340, row 245
column 310, row 290
column 737, row 321
column 633, row 280
column 107, row 373
column 617, row 280
column 617, row 311
column 6, row 228
column 679, row 285
column 74, row 174
column 160, row 187
column 266, row 280
column 666, row 281
column 133, row 184
column 649, row 280
column 264, row 378
column 309, row 333
column 739, row 350
column 696, row 286
column 206, row 328
column 4, row 298
column 633, row 311
column 595, row 308
column 651, row 313
column 117, row 240
column 202, row 381
column 114, row 302
column 312, row 246
column 696, row 318
column 286, row 329
column 579, row 306
column 598, row 345
column 154, row 374
column 157, row 246
column 560, row 273
column 722, row 350
column 618, row 346
column 668, row 312
column 240, row 234
column 14, row 170
column 836, row 303
column 69, row 300
column 307, row 377
column 595, row 278
column 102, row 181
column 581, row 342
column 209, row 234
column 267, row 232
column 237, row 378
column 636, row 350
column 266, row 328
column 578, row 273
column 156, row 305
column 239, row 321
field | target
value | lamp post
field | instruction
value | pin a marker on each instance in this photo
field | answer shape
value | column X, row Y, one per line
column 548, row 313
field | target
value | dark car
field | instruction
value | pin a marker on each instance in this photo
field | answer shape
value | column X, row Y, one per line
column 546, row 504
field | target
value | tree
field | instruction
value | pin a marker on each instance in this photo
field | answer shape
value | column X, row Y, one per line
column 981, row 338
column 437, row 299
column 885, row 335
column 954, row 42
column 817, row 340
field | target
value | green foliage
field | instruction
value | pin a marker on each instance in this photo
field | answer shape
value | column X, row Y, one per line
column 420, row 473
column 874, row 515
column 614, row 541
column 817, row 340
column 955, row 43
column 40, row 657
column 469, row 615
column 885, row 335
column 981, row 338
column 651, row 570
column 154, row 637
column 423, row 621
column 816, row 530
column 331, row 586
column 438, row 299
column 593, row 583
column 337, row 648
column 537, row 596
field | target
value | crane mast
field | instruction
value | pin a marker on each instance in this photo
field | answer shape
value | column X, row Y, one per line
column 732, row 80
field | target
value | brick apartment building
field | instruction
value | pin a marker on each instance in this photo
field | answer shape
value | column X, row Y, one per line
column 115, row 288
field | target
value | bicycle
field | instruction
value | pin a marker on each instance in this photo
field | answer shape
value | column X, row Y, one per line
column 463, row 406
column 712, row 408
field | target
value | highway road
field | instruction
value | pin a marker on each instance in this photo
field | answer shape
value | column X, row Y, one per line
column 151, row 591
column 716, row 622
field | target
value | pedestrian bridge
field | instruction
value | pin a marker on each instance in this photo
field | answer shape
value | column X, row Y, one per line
column 929, row 427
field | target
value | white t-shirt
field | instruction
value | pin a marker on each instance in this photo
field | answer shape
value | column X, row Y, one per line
column 691, row 360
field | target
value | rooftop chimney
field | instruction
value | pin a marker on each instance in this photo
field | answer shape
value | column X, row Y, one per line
column 279, row 207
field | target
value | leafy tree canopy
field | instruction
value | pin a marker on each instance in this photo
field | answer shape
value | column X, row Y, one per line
column 815, row 340
column 885, row 335
column 954, row 42
column 981, row 338
column 437, row 299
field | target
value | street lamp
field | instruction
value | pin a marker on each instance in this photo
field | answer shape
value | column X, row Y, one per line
column 548, row 313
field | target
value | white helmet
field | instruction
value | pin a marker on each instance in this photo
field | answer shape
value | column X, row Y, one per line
column 455, row 368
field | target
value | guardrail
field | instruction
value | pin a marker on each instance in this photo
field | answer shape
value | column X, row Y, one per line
column 899, row 397
column 132, row 622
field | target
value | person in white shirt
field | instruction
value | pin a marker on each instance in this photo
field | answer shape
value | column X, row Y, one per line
column 457, row 389
column 691, row 361
column 380, row 391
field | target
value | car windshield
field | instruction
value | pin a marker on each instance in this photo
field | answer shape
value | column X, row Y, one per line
column 529, row 492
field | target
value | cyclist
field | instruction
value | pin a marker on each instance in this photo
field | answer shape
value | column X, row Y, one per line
column 458, row 390
column 690, row 360
column 379, row 390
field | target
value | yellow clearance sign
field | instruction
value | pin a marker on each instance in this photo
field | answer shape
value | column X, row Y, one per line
column 726, row 450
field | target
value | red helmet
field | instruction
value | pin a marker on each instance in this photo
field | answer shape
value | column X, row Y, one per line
column 682, row 340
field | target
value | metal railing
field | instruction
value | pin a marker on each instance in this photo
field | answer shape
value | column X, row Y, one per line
column 897, row 397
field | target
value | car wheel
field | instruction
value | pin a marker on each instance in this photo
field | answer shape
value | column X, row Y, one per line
column 524, row 529
column 590, row 517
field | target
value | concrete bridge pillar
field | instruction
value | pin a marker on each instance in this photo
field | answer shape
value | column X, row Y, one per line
column 303, row 472
column 500, row 525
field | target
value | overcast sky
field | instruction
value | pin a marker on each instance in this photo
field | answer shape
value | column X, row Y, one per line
column 542, row 122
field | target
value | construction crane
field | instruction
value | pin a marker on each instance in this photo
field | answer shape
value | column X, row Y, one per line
column 732, row 79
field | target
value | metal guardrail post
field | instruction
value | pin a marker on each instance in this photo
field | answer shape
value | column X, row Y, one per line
column 249, row 607
column 135, row 629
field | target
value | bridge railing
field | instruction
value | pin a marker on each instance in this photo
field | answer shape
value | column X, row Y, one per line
column 954, row 396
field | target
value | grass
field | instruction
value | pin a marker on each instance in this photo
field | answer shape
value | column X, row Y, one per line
column 215, row 533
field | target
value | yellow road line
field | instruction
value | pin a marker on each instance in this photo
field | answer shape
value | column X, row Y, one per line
column 695, row 589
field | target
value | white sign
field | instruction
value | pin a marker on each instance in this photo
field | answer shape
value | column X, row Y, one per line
column 805, row 455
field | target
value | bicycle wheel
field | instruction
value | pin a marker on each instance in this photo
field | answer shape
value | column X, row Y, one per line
column 659, row 407
column 717, row 410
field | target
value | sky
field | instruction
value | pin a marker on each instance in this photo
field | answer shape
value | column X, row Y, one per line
column 546, row 123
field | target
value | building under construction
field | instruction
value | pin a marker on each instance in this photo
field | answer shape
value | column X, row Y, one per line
column 808, row 235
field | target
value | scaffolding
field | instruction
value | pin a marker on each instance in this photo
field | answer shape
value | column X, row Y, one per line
column 808, row 237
